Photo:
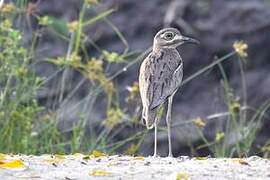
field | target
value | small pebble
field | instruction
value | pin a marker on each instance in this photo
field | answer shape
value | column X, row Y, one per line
column 84, row 163
column 147, row 163
column 54, row 164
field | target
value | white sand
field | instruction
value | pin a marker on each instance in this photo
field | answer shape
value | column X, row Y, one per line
column 127, row 167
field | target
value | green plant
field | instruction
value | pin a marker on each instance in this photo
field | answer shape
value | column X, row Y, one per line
column 240, row 131
column 28, row 127
column 19, row 108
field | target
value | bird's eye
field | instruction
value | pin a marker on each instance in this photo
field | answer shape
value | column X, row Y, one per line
column 169, row 36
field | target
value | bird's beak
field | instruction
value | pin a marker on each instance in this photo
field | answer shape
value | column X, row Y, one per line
column 190, row 40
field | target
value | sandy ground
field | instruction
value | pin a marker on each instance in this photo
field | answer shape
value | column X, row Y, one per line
column 80, row 166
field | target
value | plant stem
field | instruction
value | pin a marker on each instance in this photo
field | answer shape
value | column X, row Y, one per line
column 207, row 67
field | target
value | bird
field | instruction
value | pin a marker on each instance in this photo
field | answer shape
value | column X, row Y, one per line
column 160, row 76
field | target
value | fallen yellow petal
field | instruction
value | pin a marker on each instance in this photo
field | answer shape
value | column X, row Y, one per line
column 2, row 156
column 12, row 164
column 60, row 156
column 201, row 158
column 78, row 155
column 139, row 158
column 182, row 176
column 241, row 161
column 53, row 158
column 98, row 172
column 97, row 154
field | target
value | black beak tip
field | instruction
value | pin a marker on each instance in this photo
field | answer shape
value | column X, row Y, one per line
column 191, row 40
column 194, row 41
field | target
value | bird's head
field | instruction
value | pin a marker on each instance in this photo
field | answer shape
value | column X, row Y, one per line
column 171, row 38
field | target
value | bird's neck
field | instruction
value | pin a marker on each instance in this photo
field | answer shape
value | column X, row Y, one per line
column 158, row 49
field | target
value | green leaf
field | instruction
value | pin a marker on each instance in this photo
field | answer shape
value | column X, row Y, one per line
column 59, row 26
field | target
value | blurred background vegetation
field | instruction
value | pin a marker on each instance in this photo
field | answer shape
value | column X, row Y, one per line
column 68, row 76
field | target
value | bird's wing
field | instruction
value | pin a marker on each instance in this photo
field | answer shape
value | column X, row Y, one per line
column 146, row 78
column 167, row 81
column 162, row 77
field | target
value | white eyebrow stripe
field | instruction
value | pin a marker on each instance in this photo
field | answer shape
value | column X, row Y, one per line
column 162, row 35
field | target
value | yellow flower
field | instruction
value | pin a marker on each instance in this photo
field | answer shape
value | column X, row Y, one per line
column 6, row 24
column 235, row 107
column 112, row 57
column 241, row 48
column 133, row 91
column 7, row 8
column 73, row 26
column 59, row 61
column 199, row 122
column 114, row 117
column 94, row 70
column 75, row 60
column 95, row 65
column 219, row 136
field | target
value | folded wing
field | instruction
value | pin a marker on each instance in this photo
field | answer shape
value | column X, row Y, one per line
column 160, row 76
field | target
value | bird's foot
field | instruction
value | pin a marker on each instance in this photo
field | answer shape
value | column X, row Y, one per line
column 155, row 155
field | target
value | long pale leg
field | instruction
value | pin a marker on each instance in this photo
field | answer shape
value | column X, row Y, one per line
column 155, row 141
column 169, row 120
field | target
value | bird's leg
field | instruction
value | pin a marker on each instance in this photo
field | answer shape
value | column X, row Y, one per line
column 155, row 141
column 169, row 120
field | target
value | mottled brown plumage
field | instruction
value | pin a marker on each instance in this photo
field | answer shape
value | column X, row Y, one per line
column 161, row 74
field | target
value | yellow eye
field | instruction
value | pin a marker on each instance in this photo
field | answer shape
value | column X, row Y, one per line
column 168, row 36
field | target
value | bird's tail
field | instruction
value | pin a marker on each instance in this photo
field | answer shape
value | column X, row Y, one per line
column 149, row 117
